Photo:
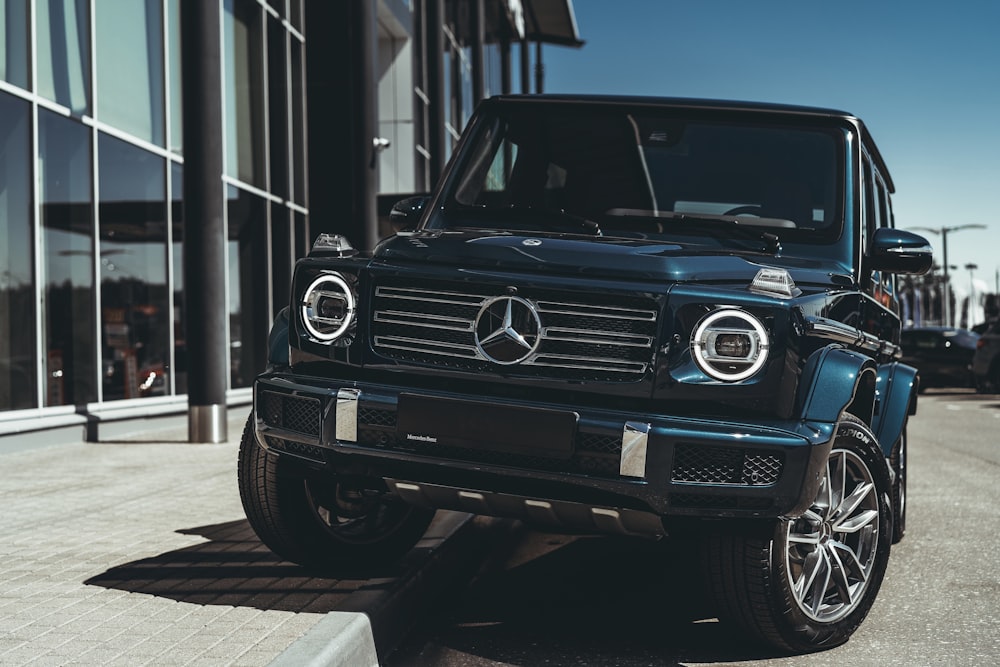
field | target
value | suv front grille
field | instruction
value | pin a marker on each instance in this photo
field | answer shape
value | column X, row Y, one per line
column 606, row 339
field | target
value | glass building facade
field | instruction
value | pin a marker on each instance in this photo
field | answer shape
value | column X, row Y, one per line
column 91, row 215
column 92, row 286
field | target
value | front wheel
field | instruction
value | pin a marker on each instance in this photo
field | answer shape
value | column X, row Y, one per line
column 811, row 584
column 322, row 522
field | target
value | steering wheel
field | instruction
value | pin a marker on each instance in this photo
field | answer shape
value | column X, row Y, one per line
column 751, row 209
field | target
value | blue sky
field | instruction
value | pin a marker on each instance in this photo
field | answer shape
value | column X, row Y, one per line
column 924, row 77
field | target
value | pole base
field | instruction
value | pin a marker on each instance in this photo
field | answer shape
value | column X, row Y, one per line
column 207, row 423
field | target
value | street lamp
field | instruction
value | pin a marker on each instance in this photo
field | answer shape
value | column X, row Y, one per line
column 943, row 233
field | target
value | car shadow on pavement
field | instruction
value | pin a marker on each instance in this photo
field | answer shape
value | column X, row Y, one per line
column 234, row 568
column 593, row 601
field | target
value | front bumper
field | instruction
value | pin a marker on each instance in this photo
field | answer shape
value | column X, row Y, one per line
column 538, row 460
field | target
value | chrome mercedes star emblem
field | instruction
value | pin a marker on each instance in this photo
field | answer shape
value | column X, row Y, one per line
column 508, row 330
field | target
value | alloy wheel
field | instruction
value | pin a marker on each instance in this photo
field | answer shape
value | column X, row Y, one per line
column 831, row 548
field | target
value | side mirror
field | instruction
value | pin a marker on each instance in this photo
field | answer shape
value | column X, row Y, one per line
column 405, row 214
column 899, row 251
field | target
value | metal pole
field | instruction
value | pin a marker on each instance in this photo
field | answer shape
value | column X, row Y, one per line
column 204, row 222
column 365, row 109
column 525, row 66
column 539, row 69
column 434, row 24
column 478, row 40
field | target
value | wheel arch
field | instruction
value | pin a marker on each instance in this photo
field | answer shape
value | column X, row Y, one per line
column 838, row 380
column 277, row 340
column 897, row 390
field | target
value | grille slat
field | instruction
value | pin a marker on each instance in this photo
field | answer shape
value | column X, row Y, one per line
column 579, row 340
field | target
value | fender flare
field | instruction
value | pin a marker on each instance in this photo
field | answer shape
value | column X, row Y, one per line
column 277, row 340
column 896, row 399
column 836, row 380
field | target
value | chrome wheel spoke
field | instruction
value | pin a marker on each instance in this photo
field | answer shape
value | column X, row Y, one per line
column 820, row 583
column 810, row 569
column 850, row 561
column 857, row 522
column 852, row 502
column 839, row 572
column 805, row 538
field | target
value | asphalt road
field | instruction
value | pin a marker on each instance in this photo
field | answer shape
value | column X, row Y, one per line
column 557, row 600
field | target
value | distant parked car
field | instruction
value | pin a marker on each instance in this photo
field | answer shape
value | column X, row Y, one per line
column 986, row 360
column 943, row 355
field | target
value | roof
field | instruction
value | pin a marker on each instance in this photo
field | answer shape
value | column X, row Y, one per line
column 680, row 103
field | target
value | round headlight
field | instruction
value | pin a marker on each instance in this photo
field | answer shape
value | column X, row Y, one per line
column 327, row 307
column 729, row 345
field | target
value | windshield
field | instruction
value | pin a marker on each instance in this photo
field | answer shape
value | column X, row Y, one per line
column 643, row 173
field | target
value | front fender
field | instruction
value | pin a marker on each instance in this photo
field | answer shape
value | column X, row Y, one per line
column 896, row 398
column 836, row 379
column 277, row 340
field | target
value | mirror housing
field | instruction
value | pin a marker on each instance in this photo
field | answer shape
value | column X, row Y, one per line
column 406, row 213
column 899, row 251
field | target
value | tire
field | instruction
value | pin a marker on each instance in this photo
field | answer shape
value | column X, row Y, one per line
column 897, row 467
column 319, row 522
column 761, row 584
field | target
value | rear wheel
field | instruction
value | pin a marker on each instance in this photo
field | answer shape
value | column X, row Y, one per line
column 897, row 465
column 810, row 585
column 324, row 521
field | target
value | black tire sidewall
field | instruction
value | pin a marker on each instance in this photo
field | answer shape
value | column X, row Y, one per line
column 280, row 512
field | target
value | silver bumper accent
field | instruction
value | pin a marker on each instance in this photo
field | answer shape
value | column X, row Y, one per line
column 635, row 437
column 347, row 414
column 556, row 514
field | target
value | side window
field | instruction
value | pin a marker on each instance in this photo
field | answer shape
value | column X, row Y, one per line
column 884, row 284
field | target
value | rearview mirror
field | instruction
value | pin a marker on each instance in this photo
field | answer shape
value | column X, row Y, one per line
column 405, row 214
column 899, row 251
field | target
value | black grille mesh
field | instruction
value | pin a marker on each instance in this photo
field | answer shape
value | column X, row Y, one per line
column 293, row 413
column 725, row 465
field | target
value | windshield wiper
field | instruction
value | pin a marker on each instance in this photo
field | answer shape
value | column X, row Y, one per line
column 718, row 226
column 539, row 214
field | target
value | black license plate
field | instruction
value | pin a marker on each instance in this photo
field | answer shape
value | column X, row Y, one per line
column 425, row 421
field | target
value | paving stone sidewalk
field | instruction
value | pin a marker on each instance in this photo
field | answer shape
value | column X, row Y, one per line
column 138, row 552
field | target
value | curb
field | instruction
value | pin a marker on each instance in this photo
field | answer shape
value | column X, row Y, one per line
column 375, row 619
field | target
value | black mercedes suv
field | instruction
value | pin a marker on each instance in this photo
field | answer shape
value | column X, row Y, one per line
column 654, row 317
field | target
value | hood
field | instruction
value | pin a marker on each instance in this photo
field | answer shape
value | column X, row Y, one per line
column 607, row 257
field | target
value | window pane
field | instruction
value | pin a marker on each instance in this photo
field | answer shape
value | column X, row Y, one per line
column 18, row 380
column 14, row 49
column 248, row 322
column 64, row 182
column 129, row 42
column 179, row 321
column 135, row 314
column 63, row 33
column 243, row 59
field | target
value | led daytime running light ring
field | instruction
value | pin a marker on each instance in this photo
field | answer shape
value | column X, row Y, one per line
column 706, row 361
column 308, row 315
